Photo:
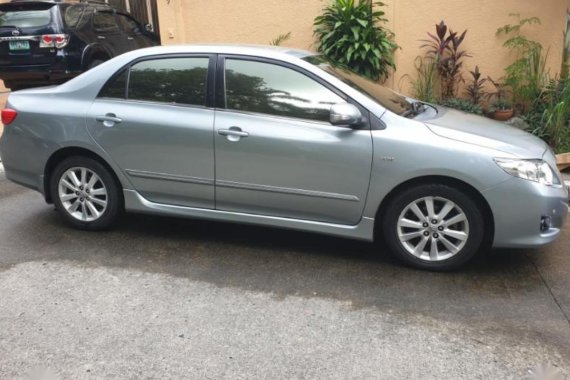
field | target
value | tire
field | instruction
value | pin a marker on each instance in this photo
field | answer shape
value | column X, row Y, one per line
column 85, row 193
column 447, row 240
column 94, row 63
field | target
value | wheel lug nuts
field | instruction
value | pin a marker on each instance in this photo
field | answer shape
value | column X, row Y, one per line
column 436, row 235
column 434, row 221
column 440, row 228
column 425, row 224
column 426, row 233
column 77, row 193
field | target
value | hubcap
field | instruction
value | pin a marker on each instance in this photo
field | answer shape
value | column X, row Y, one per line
column 83, row 194
column 433, row 228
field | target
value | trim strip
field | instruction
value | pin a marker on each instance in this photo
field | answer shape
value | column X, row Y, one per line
column 287, row 190
column 169, row 177
column 242, row 186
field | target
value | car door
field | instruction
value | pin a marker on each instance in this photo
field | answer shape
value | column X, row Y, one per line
column 133, row 32
column 152, row 119
column 277, row 153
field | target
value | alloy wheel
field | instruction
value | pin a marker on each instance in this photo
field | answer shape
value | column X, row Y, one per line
column 433, row 228
column 83, row 194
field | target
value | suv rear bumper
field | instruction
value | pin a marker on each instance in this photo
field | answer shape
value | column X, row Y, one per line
column 36, row 74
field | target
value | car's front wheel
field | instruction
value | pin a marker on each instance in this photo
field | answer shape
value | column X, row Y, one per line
column 85, row 193
column 434, row 227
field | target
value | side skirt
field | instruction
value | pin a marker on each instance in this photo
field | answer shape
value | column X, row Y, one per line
column 364, row 230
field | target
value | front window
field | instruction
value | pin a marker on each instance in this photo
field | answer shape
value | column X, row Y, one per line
column 276, row 90
column 382, row 95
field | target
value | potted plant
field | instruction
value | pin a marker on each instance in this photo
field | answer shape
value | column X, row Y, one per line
column 501, row 108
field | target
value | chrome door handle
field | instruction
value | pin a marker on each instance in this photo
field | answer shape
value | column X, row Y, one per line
column 232, row 132
column 130, row 38
column 101, row 37
column 109, row 120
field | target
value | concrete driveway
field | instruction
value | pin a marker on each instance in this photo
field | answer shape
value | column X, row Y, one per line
column 161, row 298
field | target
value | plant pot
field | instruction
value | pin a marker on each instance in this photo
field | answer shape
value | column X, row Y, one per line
column 503, row 115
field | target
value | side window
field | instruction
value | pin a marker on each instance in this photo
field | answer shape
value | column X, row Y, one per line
column 128, row 24
column 276, row 90
column 116, row 87
column 73, row 15
column 170, row 80
column 104, row 22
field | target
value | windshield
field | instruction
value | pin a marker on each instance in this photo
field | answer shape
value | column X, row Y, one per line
column 24, row 16
column 384, row 96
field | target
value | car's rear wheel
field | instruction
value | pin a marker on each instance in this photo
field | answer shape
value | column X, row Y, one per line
column 434, row 227
column 85, row 193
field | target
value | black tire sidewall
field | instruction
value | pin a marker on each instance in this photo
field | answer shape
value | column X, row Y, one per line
column 465, row 202
column 114, row 200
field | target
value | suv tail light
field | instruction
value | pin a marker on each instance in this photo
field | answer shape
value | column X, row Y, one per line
column 54, row 40
column 8, row 115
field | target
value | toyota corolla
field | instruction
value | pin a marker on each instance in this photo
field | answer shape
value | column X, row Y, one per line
column 281, row 138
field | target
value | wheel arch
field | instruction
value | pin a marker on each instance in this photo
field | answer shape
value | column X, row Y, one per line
column 458, row 184
column 91, row 52
column 63, row 153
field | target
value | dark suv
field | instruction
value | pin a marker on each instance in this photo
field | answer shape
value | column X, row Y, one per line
column 48, row 42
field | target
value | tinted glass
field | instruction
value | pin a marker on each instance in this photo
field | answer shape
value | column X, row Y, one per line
column 276, row 90
column 73, row 15
column 24, row 18
column 116, row 87
column 104, row 21
column 171, row 80
column 128, row 24
column 377, row 92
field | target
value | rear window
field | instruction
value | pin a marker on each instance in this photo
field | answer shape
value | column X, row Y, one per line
column 22, row 16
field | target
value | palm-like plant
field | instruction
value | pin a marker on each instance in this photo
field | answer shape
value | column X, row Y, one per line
column 349, row 34
column 444, row 49
column 475, row 89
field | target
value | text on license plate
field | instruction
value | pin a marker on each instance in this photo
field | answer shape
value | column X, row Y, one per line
column 19, row 45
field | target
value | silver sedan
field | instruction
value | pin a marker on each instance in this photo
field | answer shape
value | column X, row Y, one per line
column 281, row 138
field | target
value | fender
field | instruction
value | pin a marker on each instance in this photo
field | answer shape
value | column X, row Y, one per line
column 91, row 50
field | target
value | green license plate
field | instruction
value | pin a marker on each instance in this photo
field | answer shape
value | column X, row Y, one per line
column 19, row 45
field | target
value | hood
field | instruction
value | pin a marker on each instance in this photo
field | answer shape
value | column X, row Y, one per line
column 479, row 130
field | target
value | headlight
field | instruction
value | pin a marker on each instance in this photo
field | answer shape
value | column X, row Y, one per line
column 532, row 170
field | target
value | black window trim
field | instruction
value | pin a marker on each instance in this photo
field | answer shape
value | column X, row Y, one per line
column 220, row 83
column 210, row 80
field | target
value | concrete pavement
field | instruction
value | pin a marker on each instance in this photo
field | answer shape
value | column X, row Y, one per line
column 169, row 298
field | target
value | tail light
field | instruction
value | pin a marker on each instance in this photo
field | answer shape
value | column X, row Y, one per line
column 54, row 40
column 8, row 115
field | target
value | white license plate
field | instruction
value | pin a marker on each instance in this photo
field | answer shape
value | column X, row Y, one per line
column 19, row 45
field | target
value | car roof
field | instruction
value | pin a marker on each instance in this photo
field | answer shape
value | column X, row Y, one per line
column 237, row 49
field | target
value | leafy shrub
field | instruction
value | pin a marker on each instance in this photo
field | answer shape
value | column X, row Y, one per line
column 475, row 89
column 462, row 105
column 445, row 50
column 427, row 81
column 349, row 35
column 527, row 75
column 500, row 94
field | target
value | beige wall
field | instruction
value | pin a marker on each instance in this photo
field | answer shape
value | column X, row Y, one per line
column 254, row 21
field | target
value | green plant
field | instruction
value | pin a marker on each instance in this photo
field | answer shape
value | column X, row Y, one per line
column 426, row 81
column 445, row 50
column 475, row 89
column 277, row 41
column 527, row 75
column 349, row 35
column 500, row 94
column 556, row 115
column 463, row 105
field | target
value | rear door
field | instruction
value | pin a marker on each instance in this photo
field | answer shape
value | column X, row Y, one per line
column 21, row 28
column 108, row 33
column 160, row 130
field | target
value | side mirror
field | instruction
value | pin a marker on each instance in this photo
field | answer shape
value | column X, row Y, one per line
column 345, row 114
column 148, row 27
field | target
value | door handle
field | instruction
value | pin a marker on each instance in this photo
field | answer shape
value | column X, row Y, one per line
column 109, row 120
column 101, row 37
column 130, row 38
column 232, row 132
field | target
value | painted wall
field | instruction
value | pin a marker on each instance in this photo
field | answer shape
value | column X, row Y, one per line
column 258, row 22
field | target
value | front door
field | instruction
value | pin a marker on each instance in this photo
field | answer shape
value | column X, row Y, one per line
column 278, row 155
column 159, row 130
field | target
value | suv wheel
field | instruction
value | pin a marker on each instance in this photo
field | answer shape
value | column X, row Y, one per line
column 434, row 227
column 85, row 193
